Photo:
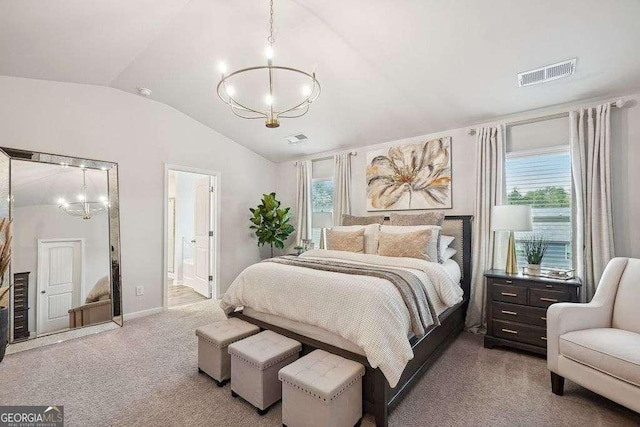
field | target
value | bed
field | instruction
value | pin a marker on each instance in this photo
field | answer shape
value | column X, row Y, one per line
column 385, row 365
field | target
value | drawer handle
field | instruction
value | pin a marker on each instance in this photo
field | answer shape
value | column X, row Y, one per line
column 509, row 281
column 549, row 286
column 510, row 331
column 543, row 338
column 19, row 317
column 19, row 327
column 548, row 299
column 511, row 313
column 508, row 294
column 543, row 318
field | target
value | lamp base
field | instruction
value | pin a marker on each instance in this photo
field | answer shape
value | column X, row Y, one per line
column 512, row 261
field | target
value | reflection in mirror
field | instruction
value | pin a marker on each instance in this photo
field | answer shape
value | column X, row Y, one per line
column 65, row 249
column 61, row 246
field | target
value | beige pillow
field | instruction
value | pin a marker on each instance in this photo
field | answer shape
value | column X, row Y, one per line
column 370, row 235
column 348, row 241
column 431, row 249
column 101, row 291
column 409, row 245
column 362, row 220
column 425, row 218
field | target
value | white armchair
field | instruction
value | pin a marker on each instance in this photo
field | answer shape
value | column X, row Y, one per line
column 597, row 345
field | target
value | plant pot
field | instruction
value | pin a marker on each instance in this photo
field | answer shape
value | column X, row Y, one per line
column 533, row 269
column 4, row 330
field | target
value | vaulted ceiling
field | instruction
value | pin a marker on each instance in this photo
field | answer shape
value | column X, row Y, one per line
column 388, row 69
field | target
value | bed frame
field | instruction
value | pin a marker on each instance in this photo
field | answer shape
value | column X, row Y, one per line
column 379, row 399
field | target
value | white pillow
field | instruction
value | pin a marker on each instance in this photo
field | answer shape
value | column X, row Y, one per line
column 445, row 242
column 432, row 246
column 371, row 235
column 448, row 254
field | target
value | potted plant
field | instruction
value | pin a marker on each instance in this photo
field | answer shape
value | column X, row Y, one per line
column 534, row 248
column 270, row 222
column 5, row 260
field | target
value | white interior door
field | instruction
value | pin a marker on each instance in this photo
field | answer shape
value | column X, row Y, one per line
column 202, row 282
column 59, row 283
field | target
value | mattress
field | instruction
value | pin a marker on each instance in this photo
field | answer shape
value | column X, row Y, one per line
column 327, row 337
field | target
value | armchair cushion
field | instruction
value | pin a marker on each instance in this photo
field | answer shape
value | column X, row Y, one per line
column 625, row 311
column 615, row 352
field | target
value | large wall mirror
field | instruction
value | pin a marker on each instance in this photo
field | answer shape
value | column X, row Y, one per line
column 65, row 234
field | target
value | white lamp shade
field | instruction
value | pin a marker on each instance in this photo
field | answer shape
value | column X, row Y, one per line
column 322, row 219
column 511, row 218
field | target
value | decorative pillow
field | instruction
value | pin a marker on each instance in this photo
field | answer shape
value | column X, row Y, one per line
column 101, row 291
column 426, row 218
column 431, row 250
column 448, row 254
column 445, row 242
column 370, row 235
column 410, row 245
column 348, row 241
column 362, row 220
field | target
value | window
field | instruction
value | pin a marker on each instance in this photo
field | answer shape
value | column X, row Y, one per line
column 321, row 201
column 542, row 179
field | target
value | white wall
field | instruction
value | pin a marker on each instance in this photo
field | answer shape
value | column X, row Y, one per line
column 31, row 223
column 625, row 135
column 140, row 135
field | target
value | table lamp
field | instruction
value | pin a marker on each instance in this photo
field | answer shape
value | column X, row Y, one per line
column 322, row 220
column 511, row 218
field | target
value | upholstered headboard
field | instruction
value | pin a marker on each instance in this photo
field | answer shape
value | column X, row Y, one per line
column 459, row 226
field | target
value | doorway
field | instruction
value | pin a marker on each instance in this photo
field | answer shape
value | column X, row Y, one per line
column 190, row 267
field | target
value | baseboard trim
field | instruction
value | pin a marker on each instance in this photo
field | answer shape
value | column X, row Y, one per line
column 143, row 313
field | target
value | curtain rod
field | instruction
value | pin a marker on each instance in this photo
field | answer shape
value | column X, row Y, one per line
column 351, row 153
column 619, row 104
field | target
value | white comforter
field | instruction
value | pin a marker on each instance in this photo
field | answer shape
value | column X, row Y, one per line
column 367, row 311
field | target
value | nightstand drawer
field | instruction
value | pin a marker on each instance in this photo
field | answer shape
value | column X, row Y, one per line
column 519, row 313
column 508, row 293
column 544, row 297
column 518, row 332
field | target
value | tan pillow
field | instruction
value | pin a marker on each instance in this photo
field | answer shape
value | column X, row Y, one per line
column 425, row 218
column 410, row 245
column 101, row 291
column 362, row 220
column 370, row 235
column 348, row 241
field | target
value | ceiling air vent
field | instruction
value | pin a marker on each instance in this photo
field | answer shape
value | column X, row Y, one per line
column 297, row 138
column 547, row 73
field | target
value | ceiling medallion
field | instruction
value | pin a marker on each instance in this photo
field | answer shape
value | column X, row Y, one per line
column 271, row 115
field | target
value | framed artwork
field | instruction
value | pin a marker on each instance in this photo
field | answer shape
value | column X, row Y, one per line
column 411, row 176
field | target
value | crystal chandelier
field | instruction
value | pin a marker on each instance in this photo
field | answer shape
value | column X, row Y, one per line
column 83, row 207
column 272, row 115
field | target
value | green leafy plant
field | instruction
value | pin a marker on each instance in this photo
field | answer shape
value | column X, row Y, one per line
column 534, row 248
column 271, row 223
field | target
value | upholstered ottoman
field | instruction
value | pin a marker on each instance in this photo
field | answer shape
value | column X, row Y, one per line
column 322, row 389
column 213, row 340
column 255, row 362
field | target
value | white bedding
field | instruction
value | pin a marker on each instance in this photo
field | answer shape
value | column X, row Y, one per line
column 366, row 311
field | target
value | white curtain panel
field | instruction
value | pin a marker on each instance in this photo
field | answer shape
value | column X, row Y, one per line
column 341, row 187
column 303, row 200
column 490, row 191
column 592, row 210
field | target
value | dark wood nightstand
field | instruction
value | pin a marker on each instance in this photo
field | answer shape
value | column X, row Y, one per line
column 517, row 308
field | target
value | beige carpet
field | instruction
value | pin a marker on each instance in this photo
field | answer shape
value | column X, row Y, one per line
column 146, row 374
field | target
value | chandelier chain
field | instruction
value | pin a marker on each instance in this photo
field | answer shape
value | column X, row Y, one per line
column 270, row 39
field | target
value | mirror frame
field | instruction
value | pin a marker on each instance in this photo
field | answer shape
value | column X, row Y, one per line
column 6, row 207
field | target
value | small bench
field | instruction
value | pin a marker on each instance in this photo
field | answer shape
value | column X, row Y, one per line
column 213, row 340
column 255, row 362
column 322, row 389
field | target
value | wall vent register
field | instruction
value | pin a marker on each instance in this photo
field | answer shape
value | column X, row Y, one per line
column 547, row 73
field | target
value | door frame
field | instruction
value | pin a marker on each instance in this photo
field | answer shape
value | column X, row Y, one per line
column 214, row 261
column 39, row 284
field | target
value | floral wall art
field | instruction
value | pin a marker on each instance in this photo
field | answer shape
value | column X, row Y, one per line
column 412, row 176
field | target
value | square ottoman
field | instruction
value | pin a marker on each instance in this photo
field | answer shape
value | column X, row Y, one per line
column 322, row 389
column 255, row 362
column 213, row 340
